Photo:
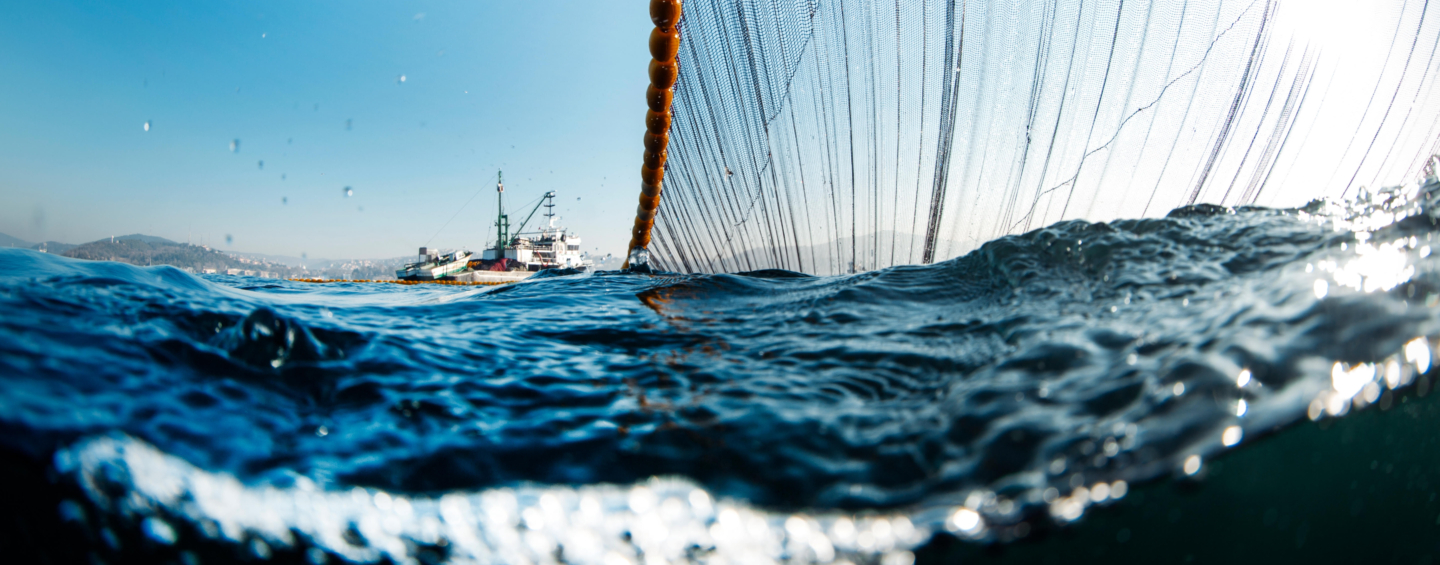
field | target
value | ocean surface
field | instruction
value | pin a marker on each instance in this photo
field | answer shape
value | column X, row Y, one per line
column 995, row 400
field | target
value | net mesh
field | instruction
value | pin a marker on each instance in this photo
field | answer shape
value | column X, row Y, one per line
column 835, row 136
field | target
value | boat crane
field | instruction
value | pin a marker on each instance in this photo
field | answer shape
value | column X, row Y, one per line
column 549, row 197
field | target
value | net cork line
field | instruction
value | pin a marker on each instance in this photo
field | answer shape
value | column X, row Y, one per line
column 664, row 70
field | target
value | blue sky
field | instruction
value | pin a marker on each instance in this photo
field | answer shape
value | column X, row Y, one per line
column 549, row 92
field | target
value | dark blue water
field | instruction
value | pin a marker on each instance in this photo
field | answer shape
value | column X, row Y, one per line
column 785, row 416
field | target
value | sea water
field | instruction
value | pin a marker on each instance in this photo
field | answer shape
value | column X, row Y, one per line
column 613, row 417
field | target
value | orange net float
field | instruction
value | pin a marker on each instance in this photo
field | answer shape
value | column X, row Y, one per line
column 658, row 100
column 656, row 142
column 665, row 13
column 664, row 71
column 651, row 176
column 664, row 45
column 657, row 122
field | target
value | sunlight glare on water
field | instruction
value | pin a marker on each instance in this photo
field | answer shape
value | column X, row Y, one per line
column 1042, row 385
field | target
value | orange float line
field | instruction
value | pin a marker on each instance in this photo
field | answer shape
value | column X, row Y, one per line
column 664, row 71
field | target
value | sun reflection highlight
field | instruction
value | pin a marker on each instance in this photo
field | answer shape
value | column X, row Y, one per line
column 966, row 521
column 1192, row 464
column 1418, row 352
column 1349, row 382
column 1375, row 267
column 1230, row 437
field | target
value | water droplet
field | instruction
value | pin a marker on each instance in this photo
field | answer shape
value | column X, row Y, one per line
column 282, row 176
column 234, row 146
column 229, row 239
column 347, row 124
column 284, row 200
column 260, row 548
column 158, row 530
column 147, row 125
column 400, row 80
column 262, row 36
column 1230, row 437
column 262, row 165
column 349, row 192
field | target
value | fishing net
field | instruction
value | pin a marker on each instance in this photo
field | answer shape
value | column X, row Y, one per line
column 835, row 136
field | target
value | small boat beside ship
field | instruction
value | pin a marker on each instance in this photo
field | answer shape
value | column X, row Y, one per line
column 433, row 266
column 512, row 256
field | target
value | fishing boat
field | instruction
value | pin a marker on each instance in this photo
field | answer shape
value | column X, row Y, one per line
column 550, row 247
column 510, row 257
column 434, row 265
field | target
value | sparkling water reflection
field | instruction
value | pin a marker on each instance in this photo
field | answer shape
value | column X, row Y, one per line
column 792, row 418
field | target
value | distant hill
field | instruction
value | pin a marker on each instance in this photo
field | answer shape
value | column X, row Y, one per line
column 145, row 238
column 285, row 259
column 872, row 252
column 144, row 250
column 54, row 247
column 607, row 262
column 49, row 246
column 12, row 241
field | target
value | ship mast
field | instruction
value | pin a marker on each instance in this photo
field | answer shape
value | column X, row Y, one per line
column 550, row 209
column 502, row 222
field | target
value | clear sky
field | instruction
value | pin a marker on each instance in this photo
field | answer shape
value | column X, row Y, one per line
column 550, row 92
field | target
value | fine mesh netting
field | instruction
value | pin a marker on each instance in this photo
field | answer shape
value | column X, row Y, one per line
column 833, row 136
